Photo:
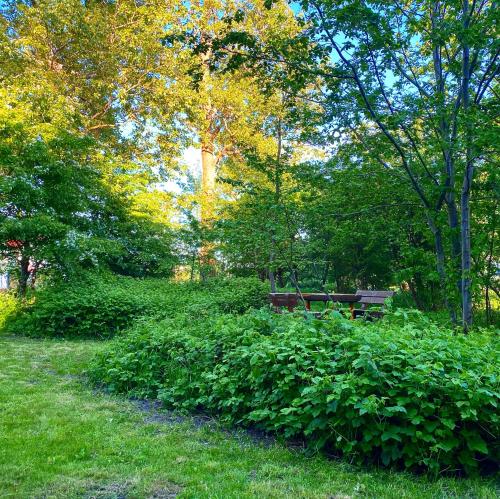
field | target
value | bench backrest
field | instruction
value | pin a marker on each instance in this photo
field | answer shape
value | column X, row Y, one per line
column 373, row 297
column 284, row 299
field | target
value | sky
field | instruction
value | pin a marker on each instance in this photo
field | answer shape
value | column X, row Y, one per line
column 191, row 158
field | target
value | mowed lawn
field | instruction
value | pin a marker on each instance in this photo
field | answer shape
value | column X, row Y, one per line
column 60, row 438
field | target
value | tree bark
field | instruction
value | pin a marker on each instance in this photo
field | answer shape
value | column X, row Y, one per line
column 34, row 274
column 325, row 274
column 413, row 287
column 467, row 183
column 448, row 139
column 23, row 276
column 208, row 179
column 440, row 267
column 207, row 207
column 272, row 280
column 208, row 137
column 466, row 249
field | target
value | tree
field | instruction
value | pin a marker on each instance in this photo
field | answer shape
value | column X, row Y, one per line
column 72, row 80
column 364, row 227
column 264, row 214
column 34, row 167
column 223, row 112
column 422, row 70
column 99, row 57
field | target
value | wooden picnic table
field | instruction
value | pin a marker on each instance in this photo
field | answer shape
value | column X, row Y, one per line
column 290, row 300
column 366, row 298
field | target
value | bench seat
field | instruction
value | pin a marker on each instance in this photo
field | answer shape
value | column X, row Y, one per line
column 369, row 298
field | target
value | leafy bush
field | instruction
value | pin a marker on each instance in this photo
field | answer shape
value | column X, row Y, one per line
column 8, row 305
column 101, row 305
column 396, row 392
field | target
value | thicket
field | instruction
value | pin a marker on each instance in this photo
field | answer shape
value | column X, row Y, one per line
column 401, row 391
column 102, row 305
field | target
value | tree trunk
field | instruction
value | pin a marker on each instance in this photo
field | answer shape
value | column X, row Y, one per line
column 272, row 281
column 440, row 267
column 466, row 249
column 208, row 137
column 325, row 275
column 467, row 182
column 277, row 200
column 23, row 276
column 193, row 262
column 487, row 302
column 490, row 273
column 207, row 205
column 413, row 286
column 456, row 250
column 447, row 140
column 34, row 274
column 208, row 178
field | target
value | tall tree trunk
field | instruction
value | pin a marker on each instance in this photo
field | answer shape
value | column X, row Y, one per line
column 466, row 249
column 440, row 267
column 208, row 179
column 448, row 137
column 325, row 275
column 467, row 181
column 23, row 276
column 207, row 208
column 208, row 169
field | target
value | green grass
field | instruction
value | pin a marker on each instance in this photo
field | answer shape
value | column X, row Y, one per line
column 59, row 438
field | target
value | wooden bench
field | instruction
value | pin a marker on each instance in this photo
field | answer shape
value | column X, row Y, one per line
column 371, row 298
column 288, row 300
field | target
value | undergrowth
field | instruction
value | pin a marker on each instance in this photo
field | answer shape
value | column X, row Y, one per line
column 102, row 305
column 402, row 391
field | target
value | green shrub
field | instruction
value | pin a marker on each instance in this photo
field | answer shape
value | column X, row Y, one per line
column 101, row 305
column 393, row 392
column 8, row 305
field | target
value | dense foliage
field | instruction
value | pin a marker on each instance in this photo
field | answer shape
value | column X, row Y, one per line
column 412, row 87
column 340, row 144
column 102, row 305
column 103, row 219
column 8, row 305
column 398, row 392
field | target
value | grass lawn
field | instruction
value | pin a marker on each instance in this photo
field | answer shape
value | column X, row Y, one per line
column 59, row 438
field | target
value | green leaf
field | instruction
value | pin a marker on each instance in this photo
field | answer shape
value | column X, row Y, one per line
column 475, row 442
